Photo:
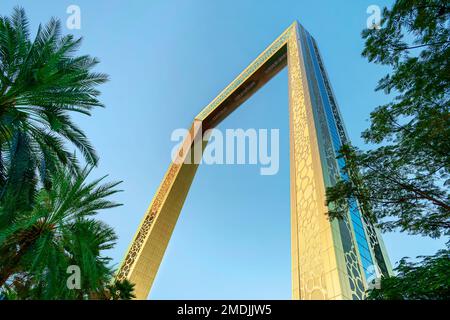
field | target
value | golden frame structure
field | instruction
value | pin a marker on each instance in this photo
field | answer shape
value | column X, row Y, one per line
column 319, row 268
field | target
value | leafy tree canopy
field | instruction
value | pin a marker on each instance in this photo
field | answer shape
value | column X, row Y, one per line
column 402, row 183
column 42, row 82
column 47, row 204
column 427, row 279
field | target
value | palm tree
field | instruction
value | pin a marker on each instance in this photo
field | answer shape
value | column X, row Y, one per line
column 58, row 232
column 121, row 290
column 42, row 83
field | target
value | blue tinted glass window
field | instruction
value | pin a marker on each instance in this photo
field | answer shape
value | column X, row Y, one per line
column 355, row 215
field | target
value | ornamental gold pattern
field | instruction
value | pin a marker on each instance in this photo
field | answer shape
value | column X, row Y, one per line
column 310, row 269
column 137, row 243
column 330, row 259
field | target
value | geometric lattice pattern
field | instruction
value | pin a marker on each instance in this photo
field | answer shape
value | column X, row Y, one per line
column 330, row 259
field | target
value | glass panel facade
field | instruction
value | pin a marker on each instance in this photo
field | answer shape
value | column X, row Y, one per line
column 355, row 215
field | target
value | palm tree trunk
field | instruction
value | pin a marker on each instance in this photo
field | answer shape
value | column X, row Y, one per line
column 5, row 274
column 13, row 264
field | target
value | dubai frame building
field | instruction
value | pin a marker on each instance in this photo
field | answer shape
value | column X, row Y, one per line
column 331, row 259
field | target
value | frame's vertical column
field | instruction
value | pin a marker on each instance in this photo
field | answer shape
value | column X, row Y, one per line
column 314, row 265
column 146, row 252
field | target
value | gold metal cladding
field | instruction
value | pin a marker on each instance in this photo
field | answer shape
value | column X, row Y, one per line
column 263, row 57
column 317, row 268
column 147, row 249
column 314, row 266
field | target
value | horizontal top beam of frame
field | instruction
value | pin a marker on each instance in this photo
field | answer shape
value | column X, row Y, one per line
column 259, row 72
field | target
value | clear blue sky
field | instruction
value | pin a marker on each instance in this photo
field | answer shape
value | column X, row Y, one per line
column 167, row 60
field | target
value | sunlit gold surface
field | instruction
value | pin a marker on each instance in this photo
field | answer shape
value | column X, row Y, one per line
column 318, row 267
